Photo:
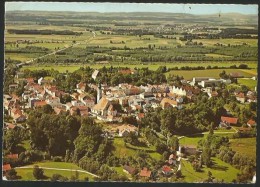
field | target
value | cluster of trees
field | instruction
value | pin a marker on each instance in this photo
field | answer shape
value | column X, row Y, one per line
column 213, row 145
column 52, row 133
column 190, row 120
column 43, row 32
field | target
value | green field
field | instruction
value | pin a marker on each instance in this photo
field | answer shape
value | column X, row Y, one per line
column 245, row 146
column 153, row 66
column 189, row 74
column 226, row 41
column 190, row 141
column 27, row 173
column 248, row 82
column 220, row 170
column 122, row 151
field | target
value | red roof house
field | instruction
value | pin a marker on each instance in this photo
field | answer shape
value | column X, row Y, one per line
column 229, row 120
column 6, row 167
column 145, row 173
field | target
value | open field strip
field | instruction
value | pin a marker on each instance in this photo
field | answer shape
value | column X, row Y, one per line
column 189, row 74
column 153, row 66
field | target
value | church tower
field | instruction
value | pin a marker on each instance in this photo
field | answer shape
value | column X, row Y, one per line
column 99, row 92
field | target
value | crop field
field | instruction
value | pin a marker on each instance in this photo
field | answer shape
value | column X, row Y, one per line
column 245, row 146
column 219, row 170
column 189, row 74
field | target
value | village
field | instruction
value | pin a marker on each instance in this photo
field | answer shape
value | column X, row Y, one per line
column 113, row 103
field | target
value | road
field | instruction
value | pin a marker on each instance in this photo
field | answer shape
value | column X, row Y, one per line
column 54, row 52
column 58, row 169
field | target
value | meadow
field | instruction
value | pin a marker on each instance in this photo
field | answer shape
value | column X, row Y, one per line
column 245, row 146
column 220, row 170
column 26, row 174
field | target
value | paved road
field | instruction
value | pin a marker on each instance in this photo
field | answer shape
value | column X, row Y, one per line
column 59, row 169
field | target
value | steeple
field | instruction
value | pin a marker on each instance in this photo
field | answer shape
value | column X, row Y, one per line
column 99, row 92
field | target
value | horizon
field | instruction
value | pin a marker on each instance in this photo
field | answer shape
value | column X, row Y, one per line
column 86, row 7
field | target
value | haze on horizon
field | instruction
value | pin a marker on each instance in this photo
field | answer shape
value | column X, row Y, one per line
column 199, row 9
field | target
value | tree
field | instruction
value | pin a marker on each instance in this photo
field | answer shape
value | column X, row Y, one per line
column 161, row 147
column 11, row 174
column 173, row 143
column 38, row 173
column 206, row 156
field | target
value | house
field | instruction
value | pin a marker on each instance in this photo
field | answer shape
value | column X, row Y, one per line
column 241, row 97
column 53, row 101
column 95, row 74
column 59, row 110
column 15, row 111
column 101, row 107
column 251, row 123
column 140, row 116
column 190, row 150
column 145, row 173
column 12, row 156
column 39, row 103
column 147, row 95
column 81, row 87
column 166, row 170
column 10, row 126
column 128, row 169
column 229, row 120
column 6, row 167
column 212, row 94
column 82, row 110
column 124, row 130
column 42, row 81
column 172, row 159
column 12, row 87
column 166, row 102
column 19, row 118
column 111, row 110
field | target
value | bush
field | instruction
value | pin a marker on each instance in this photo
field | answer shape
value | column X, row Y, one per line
column 57, row 159
column 38, row 173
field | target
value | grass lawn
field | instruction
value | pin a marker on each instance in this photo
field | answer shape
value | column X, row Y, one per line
column 220, row 170
column 122, row 151
column 27, row 173
column 248, row 82
column 186, row 141
column 245, row 146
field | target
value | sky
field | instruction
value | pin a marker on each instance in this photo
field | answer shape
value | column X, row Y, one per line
column 133, row 7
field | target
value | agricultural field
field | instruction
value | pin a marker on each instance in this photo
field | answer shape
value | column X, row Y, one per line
column 152, row 66
column 214, row 73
